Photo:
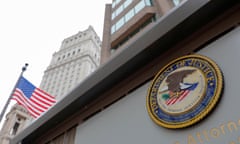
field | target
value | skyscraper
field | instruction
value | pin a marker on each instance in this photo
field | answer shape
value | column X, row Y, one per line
column 126, row 20
column 79, row 55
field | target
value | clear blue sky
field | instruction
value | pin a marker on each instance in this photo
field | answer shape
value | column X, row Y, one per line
column 32, row 30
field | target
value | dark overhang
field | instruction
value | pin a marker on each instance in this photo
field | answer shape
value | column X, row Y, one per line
column 179, row 23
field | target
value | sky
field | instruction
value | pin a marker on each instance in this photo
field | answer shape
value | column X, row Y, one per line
column 32, row 30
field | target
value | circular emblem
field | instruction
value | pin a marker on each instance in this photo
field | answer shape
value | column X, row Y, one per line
column 184, row 91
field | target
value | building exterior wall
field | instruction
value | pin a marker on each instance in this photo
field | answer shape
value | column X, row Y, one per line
column 125, row 20
column 15, row 121
column 78, row 56
column 127, row 121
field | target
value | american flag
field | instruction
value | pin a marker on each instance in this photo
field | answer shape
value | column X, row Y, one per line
column 35, row 100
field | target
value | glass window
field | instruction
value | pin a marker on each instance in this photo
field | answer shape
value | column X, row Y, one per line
column 113, row 15
column 129, row 15
column 119, row 10
column 127, row 3
column 148, row 2
column 117, row 1
column 176, row 2
column 139, row 6
column 113, row 4
column 15, row 129
column 113, row 29
column 119, row 23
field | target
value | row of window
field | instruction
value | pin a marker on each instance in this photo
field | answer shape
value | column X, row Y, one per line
column 115, row 2
column 121, row 8
column 137, row 8
column 133, row 33
column 68, row 55
column 95, row 55
column 61, row 80
column 61, row 73
column 59, row 87
column 75, row 38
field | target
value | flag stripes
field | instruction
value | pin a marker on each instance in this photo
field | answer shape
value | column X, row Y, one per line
column 35, row 100
column 174, row 100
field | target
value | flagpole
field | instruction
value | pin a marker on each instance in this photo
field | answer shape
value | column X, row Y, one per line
column 24, row 68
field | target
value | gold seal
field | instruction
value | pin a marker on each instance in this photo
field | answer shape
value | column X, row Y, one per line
column 184, row 91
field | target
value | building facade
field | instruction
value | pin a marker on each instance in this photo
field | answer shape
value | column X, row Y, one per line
column 79, row 56
column 16, row 119
column 126, row 20
column 112, row 105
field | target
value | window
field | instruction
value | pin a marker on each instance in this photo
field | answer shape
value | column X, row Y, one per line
column 119, row 10
column 176, row 2
column 120, row 23
column 113, row 15
column 115, row 3
column 129, row 15
column 148, row 2
column 15, row 128
column 113, row 29
column 139, row 6
column 127, row 3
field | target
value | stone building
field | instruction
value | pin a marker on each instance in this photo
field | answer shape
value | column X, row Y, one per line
column 79, row 56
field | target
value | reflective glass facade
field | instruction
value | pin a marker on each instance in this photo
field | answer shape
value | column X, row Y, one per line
column 129, row 15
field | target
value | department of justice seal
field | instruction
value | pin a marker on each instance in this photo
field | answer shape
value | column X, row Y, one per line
column 184, row 91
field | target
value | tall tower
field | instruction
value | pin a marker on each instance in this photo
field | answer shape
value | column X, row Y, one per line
column 126, row 20
column 78, row 56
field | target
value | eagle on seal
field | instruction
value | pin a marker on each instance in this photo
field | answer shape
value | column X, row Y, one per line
column 176, row 79
column 175, row 84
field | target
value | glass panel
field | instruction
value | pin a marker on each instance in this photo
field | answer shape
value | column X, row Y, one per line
column 120, row 23
column 127, row 3
column 113, row 4
column 129, row 15
column 113, row 15
column 119, row 10
column 139, row 6
column 176, row 2
column 113, row 29
column 117, row 1
column 148, row 2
